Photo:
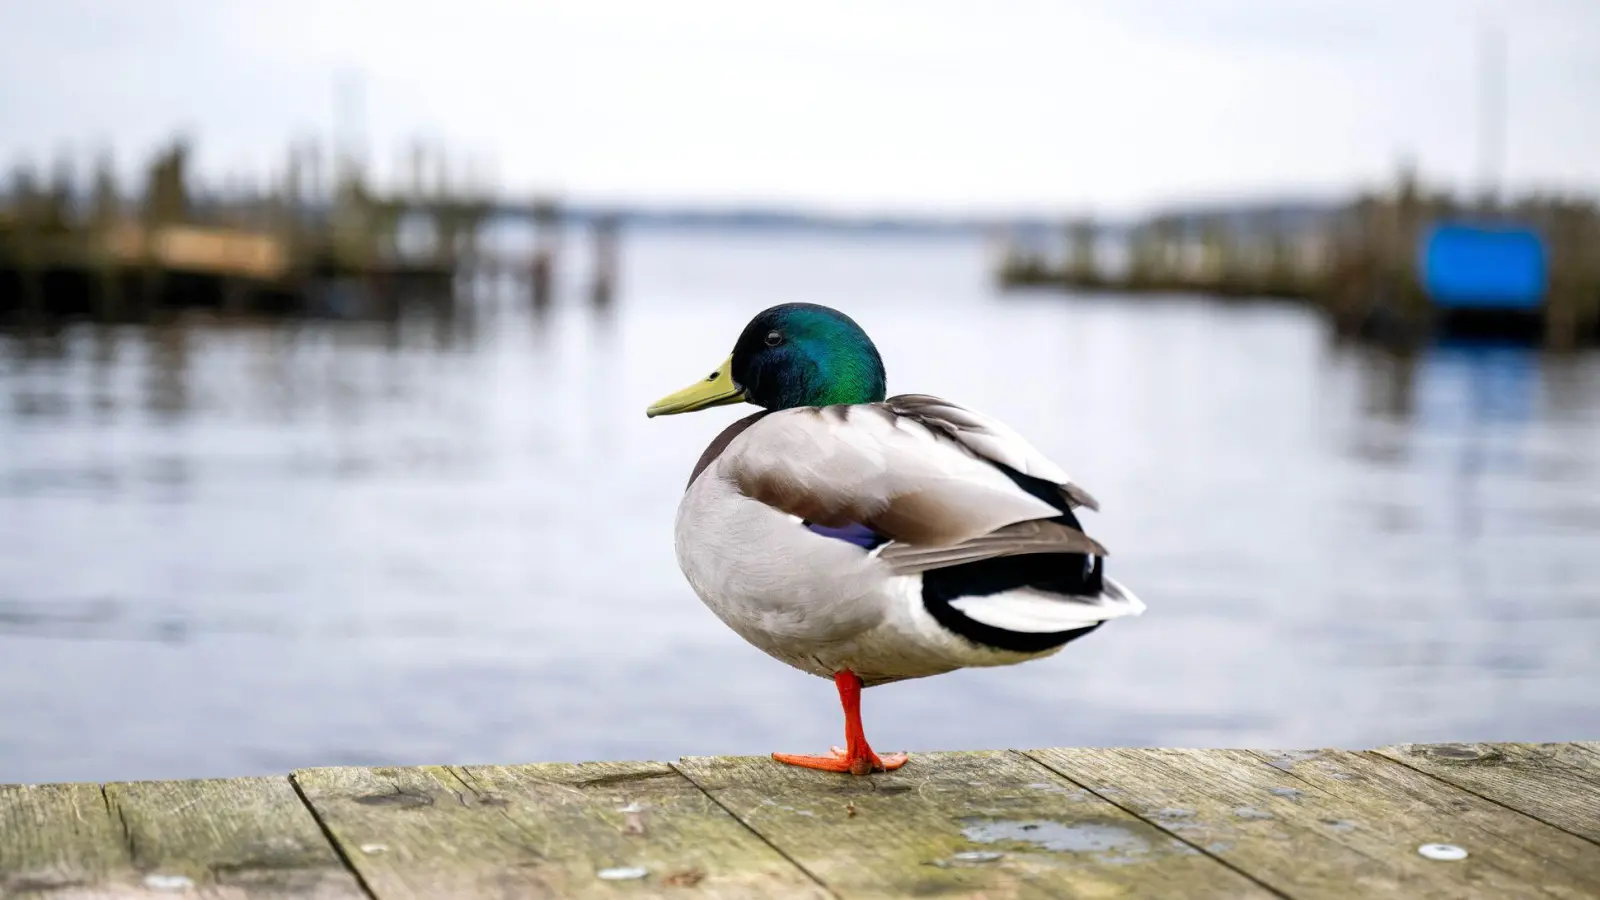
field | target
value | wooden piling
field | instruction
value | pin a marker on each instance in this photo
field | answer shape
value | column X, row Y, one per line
column 105, row 213
column 602, row 291
column 1083, row 264
column 546, row 241
column 26, row 243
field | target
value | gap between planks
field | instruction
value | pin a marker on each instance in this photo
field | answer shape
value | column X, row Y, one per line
column 678, row 767
column 327, row 835
column 1154, row 822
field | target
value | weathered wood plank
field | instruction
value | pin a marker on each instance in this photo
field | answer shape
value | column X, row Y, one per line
column 990, row 824
column 420, row 833
column 229, row 838
column 653, row 819
column 1538, row 855
column 57, row 839
column 1555, row 783
column 544, row 831
column 1292, row 835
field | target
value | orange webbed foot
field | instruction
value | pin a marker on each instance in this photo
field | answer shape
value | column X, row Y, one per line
column 857, row 757
column 839, row 760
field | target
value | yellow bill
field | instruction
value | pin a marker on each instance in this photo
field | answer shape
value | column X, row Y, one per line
column 716, row 389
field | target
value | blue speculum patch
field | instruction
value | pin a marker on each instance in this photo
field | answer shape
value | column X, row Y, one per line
column 854, row 533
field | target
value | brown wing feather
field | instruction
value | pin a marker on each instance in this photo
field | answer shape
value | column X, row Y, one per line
column 988, row 438
column 1013, row 540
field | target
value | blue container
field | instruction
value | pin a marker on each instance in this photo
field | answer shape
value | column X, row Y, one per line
column 1488, row 267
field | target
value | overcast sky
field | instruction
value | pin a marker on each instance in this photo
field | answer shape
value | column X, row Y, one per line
column 1106, row 105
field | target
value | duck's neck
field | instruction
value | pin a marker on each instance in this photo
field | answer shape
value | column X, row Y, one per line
column 842, row 391
column 828, row 379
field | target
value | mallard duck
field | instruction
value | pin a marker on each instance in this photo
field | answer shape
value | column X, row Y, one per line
column 870, row 539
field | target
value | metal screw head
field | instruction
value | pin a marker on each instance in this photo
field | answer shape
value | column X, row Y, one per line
column 976, row 856
column 1443, row 852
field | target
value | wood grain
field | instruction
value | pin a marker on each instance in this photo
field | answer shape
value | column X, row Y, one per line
column 58, row 839
column 1555, row 783
column 1537, row 855
column 986, row 824
column 235, row 839
column 544, row 831
column 229, row 838
column 1302, row 839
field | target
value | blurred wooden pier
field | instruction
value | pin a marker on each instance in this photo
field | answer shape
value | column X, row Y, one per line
column 67, row 250
column 1412, row 821
column 1360, row 264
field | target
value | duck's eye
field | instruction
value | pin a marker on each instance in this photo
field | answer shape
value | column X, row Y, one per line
column 774, row 338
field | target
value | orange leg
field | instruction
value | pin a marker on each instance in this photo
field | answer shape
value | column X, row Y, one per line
column 857, row 757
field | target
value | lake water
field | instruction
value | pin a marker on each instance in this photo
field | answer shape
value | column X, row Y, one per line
column 230, row 549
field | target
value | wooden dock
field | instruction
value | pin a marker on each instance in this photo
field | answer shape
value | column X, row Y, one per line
column 306, row 247
column 1358, row 262
column 1411, row 821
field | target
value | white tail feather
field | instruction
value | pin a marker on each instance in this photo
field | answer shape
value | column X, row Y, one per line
column 1030, row 611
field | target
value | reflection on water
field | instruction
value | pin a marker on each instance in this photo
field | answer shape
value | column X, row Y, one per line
column 230, row 548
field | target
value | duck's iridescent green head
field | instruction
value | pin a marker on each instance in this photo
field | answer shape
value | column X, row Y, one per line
column 796, row 354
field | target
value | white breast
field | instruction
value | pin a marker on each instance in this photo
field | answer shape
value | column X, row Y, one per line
column 767, row 578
